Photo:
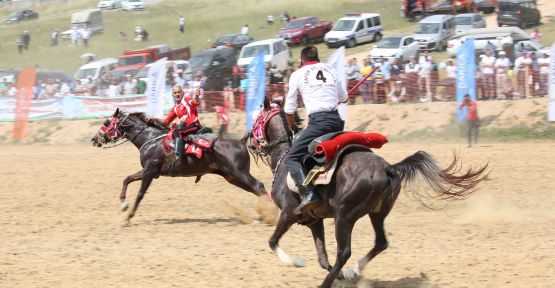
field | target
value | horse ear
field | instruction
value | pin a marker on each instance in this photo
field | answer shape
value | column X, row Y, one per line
column 266, row 103
column 116, row 113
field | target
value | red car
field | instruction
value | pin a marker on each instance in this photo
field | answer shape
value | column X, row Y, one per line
column 305, row 29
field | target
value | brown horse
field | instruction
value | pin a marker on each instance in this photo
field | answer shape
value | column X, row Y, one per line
column 364, row 184
column 228, row 158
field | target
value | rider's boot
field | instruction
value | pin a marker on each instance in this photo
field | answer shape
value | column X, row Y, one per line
column 310, row 197
column 179, row 147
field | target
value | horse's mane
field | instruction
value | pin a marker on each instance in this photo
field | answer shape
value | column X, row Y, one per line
column 152, row 122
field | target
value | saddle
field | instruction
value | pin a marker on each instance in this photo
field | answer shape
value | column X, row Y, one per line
column 195, row 144
column 326, row 151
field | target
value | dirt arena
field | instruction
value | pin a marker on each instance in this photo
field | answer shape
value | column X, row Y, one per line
column 61, row 226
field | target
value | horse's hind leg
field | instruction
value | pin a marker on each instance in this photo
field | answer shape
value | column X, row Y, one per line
column 380, row 245
column 284, row 223
column 343, row 231
column 317, row 230
column 131, row 178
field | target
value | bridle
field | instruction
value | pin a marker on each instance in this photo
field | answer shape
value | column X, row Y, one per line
column 114, row 133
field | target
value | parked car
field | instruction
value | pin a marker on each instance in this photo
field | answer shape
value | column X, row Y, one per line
column 355, row 28
column 128, row 5
column 94, row 69
column 500, row 37
column 417, row 9
column 237, row 41
column 433, row 32
column 277, row 53
column 109, row 4
column 401, row 47
column 305, row 29
column 521, row 13
column 21, row 15
column 467, row 21
column 182, row 65
column 216, row 64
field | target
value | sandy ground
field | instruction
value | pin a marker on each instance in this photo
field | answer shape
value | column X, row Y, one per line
column 61, row 226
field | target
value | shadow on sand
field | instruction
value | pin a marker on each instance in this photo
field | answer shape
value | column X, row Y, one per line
column 196, row 220
column 406, row 282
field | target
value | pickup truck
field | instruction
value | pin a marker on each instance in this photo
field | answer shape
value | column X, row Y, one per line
column 305, row 29
column 137, row 59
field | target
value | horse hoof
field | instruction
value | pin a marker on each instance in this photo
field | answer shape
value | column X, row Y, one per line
column 123, row 206
column 126, row 223
column 298, row 262
column 350, row 274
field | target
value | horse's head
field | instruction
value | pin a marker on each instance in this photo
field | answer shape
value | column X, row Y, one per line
column 111, row 129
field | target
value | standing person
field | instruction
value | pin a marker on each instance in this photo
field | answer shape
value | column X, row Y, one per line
column 522, row 65
column 20, row 44
column 243, row 90
column 472, row 119
column 182, row 23
column 488, row 74
column 85, row 34
column 245, row 29
column 184, row 109
column 322, row 91
column 502, row 66
column 425, row 80
column 534, row 79
column 351, row 69
column 223, row 120
column 54, row 37
column 74, row 36
column 26, row 39
column 544, row 74
column 536, row 35
column 411, row 77
column 366, row 88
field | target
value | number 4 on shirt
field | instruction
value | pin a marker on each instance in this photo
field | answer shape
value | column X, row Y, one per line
column 320, row 76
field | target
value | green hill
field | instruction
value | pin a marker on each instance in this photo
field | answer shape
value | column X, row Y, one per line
column 206, row 20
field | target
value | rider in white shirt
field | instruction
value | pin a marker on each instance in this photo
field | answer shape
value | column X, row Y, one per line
column 322, row 90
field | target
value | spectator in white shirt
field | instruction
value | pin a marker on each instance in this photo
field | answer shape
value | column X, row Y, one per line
column 544, row 63
column 113, row 89
column 129, row 86
column 502, row 65
column 85, row 36
column 182, row 24
column 424, row 80
column 12, row 92
column 411, row 78
column 352, row 69
column 245, row 29
column 522, row 66
column 487, row 68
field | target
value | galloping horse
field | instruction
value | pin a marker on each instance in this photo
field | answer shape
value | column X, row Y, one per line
column 228, row 158
column 364, row 184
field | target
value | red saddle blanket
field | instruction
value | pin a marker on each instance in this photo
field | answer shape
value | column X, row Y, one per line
column 194, row 144
column 330, row 147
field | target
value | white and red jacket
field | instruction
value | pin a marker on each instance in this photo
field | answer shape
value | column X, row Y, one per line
column 186, row 111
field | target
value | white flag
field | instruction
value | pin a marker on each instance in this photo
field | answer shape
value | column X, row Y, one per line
column 337, row 61
column 156, row 88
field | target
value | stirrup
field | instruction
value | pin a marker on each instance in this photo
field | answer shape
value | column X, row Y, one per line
column 308, row 203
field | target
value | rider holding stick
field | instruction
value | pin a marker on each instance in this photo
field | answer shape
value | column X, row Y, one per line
column 184, row 109
column 322, row 91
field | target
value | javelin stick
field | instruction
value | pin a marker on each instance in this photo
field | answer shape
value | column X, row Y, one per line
column 362, row 80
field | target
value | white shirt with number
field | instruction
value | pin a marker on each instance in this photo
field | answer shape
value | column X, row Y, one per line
column 320, row 87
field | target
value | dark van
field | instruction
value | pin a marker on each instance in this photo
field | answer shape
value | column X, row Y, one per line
column 216, row 64
column 521, row 13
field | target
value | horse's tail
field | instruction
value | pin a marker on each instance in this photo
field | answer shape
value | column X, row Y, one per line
column 447, row 184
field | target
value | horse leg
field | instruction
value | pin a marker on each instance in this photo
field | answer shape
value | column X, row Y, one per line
column 317, row 230
column 131, row 178
column 380, row 245
column 149, row 173
column 284, row 223
column 244, row 180
column 343, row 231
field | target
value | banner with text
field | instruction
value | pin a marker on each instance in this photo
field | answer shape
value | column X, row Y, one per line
column 156, row 90
column 256, row 91
column 551, row 104
column 466, row 75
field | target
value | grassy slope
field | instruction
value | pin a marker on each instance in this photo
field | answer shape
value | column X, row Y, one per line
column 206, row 20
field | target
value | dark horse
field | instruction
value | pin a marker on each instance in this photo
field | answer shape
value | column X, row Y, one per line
column 364, row 184
column 228, row 158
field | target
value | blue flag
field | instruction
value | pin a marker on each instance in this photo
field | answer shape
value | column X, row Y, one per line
column 466, row 75
column 256, row 90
